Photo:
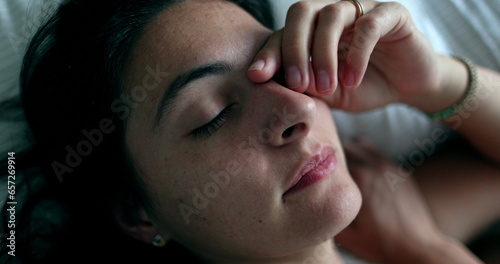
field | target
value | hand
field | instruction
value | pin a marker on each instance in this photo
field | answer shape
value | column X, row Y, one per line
column 393, row 225
column 375, row 60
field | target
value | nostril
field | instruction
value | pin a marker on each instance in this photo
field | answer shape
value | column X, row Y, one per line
column 289, row 131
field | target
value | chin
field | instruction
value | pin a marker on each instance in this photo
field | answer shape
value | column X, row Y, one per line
column 326, row 213
column 342, row 208
column 347, row 207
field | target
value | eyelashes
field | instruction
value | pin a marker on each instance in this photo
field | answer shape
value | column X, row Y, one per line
column 213, row 125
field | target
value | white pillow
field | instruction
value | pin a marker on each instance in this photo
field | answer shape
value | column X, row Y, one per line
column 19, row 20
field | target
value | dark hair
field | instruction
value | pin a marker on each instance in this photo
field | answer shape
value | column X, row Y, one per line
column 76, row 172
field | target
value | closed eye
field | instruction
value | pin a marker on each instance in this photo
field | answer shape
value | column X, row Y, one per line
column 211, row 127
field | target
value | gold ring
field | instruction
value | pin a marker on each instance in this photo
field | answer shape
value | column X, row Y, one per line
column 359, row 7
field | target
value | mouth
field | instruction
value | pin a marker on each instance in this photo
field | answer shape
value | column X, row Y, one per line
column 313, row 169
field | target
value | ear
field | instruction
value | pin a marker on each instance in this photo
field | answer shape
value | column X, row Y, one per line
column 136, row 223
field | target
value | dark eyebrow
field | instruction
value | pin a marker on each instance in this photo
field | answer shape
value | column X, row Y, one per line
column 184, row 79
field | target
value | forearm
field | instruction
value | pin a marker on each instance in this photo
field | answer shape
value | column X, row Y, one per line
column 443, row 249
column 479, row 119
column 479, row 122
column 467, row 204
column 449, row 251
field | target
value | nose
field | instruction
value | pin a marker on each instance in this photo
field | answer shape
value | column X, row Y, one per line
column 286, row 116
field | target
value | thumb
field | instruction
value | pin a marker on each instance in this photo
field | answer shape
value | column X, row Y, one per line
column 267, row 62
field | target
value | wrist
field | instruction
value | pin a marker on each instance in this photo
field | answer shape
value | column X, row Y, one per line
column 451, row 89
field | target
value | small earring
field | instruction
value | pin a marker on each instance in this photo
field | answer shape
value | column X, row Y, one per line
column 159, row 241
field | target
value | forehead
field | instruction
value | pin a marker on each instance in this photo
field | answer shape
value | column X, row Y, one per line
column 190, row 33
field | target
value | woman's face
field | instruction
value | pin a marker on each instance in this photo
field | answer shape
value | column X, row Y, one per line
column 221, row 156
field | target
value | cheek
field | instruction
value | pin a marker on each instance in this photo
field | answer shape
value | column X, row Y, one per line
column 224, row 204
column 199, row 187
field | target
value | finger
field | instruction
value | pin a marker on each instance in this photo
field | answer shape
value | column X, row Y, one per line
column 336, row 100
column 384, row 19
column 297, row 38
column 267, row 62
column 332, row 21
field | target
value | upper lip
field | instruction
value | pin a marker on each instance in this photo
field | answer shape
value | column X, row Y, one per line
column 309, row 163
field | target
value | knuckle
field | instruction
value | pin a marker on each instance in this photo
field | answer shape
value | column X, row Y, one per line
column 369, row 26
column 293, row 47
column 301, row 8
column 332, row 11
column 366, row 31
column 395, row 7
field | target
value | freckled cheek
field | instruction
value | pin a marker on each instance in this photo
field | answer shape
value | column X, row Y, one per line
column 222, row 190
column 207, row 177
column 198, row 184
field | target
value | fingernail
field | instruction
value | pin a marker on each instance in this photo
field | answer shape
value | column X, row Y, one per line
column 293, row 77
column 349, row 79
column 258, row 65
column 323, row 82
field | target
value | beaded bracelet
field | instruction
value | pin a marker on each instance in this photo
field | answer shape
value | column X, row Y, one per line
column 469, row 92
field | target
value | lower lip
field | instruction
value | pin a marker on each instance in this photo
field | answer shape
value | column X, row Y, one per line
column 315, row 175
